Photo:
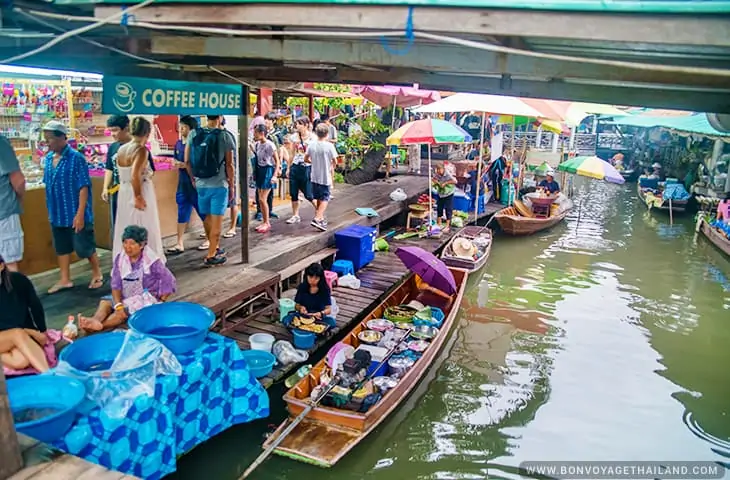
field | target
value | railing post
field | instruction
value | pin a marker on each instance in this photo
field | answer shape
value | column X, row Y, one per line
column 10, row 459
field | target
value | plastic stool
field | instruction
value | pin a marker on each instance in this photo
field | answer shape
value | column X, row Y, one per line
column 330, row 278
column 343, row 267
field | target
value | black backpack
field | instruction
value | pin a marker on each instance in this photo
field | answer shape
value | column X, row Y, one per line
column 205, row 159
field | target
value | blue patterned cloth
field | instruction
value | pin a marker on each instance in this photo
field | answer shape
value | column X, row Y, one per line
column 214, row 392
column 675, row 191
column 63, row 184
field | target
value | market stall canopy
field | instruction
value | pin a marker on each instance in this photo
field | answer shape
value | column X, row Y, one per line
column 592, row 167
column 316, row 93
column 686, row 124
column 404, row 97
column 473, row 102
column 559, row 116
column 430, row 131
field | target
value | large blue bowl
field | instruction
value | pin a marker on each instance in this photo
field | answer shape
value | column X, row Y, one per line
column 180, row 326
column 259, row 362
column 94, row 353
column 53, row 398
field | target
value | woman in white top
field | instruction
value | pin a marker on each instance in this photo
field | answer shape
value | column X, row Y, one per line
column 137, row 202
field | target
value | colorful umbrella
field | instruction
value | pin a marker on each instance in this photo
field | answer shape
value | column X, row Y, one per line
column 404, row 97
column 431, row 270
column 592, row 167
column 430, row 131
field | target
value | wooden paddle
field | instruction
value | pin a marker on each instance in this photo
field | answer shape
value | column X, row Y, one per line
column 333, row 383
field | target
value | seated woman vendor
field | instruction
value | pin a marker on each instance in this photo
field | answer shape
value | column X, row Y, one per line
column 549, row 185
column 431, row 296
column 313, row 298
column 139, row 278
column 22, row 322
column 723, row 209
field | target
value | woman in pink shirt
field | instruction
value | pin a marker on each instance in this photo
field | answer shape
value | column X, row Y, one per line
column 723, row 209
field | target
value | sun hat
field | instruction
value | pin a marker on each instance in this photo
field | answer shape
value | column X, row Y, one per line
column 463, row 247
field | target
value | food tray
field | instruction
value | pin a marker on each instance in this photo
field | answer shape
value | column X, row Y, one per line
column 305, row 328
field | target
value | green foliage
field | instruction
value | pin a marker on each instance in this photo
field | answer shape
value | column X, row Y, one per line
column 359, row 143
column 339, row 177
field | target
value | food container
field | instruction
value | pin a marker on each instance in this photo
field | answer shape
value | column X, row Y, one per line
column 400, row 313
column 380, row 325
column 395, row 346
column 424, row 332
column 259, row 362
column 261, row 341
column 418, row 346
column 376, row 353
column 385, row 383
column 303, row 340
column 180, row 326
column 398, row 366
column 370, row 337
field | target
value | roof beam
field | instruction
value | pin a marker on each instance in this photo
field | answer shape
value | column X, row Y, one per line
column 421, row 56
column 663, row 29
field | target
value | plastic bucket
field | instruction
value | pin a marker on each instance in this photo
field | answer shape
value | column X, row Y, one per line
column 261, row 341
column 304, row 340
column 286, row 305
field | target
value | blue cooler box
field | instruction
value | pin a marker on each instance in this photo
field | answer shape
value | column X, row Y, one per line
column 462, row 202
column 356, row 243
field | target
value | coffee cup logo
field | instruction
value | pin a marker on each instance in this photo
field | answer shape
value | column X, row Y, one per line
column 124, row 97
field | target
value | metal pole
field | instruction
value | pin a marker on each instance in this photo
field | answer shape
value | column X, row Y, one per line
column 243, row 167
column 430, row 193
column 479, row 169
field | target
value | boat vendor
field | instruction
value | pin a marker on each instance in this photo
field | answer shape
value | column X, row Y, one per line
column 430, row 296
column 139, row 278
column 445, row 185
column 549, row 185
column 723, row 209
column 22, row 323
column 313, row 297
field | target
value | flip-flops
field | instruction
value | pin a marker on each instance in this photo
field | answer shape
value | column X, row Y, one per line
column 96, row 283
column 58, row 287
column 263, row 228
column 229, row 234
column 174, row 251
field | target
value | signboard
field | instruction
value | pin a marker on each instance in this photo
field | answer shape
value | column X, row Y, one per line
column 149, row 96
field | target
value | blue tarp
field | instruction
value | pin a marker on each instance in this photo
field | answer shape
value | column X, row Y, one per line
column 675, row 191
column 214, row 392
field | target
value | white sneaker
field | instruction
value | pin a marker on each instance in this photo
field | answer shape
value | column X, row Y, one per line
column 294, row 219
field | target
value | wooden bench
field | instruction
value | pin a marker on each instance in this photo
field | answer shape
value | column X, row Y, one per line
column 299, row 267
column 252, row 289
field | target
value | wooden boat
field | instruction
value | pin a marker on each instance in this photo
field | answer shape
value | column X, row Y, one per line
column 678, row 206
column 715, row 237
column 326, row 434
column 515, row 221
column 629, row 175
column 469, row 264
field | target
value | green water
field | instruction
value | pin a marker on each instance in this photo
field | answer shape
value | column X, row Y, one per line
column 603, row 340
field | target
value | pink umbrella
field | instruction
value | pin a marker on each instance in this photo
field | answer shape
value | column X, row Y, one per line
column 387, row 95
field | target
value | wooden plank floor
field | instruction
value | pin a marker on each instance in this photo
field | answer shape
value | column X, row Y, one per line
column 282, row 246
column 377, row 280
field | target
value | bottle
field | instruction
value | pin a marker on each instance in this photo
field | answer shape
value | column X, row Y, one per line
column 298, row 375
column 70, row 330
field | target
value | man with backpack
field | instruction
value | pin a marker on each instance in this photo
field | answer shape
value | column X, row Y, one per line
column 209, row 159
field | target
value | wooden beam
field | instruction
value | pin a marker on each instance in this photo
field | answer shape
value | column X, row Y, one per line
column 10, row 458
column 429, row 57
column 644, row 28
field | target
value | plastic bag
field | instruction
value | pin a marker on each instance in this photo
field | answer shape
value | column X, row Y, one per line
column 132, row 374
column 349, row 281
column 334, row 309
column 286, row 354
column 398, row 195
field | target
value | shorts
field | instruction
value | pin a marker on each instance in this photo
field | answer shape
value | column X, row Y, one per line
column 299, row 182
column 263, row 177
column 186, row 202
column 321, row 192
column 66, row 241
column 445, row 205
column 213, row 201
column 11, row 239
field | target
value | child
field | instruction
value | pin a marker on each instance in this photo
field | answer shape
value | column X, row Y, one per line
column 321, row 154
column 445, row 184
column 268, row 169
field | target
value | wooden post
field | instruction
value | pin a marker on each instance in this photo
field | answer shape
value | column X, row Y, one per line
column 311, row 108
column 243, row 169
column 10, row 459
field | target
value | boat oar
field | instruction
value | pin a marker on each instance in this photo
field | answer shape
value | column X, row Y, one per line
column 333, row 383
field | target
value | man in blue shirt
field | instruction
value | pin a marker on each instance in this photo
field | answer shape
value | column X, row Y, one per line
column 68, row 199
column 549, row 184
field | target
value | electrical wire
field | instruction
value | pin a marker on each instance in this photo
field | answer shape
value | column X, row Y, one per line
column 398, row 33
column 72, row 33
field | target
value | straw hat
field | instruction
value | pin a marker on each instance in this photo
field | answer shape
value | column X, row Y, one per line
column 464, row 248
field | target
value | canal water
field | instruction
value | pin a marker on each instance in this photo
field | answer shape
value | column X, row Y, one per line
column 606, row 338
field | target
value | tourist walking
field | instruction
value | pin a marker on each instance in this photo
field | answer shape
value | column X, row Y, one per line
column 209, row 156
column 300, row 172
column 68, row 200
column 12, row 189
column 331, row 129
column 186, row 196
column 276, row 137
column 137, row 203
column 321, row 155
column 232, row 199
column 268, row 169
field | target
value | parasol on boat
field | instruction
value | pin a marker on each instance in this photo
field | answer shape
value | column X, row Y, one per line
column 430, row 131
column 427, row 266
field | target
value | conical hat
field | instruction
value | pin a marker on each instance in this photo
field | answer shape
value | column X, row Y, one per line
column 463, row 248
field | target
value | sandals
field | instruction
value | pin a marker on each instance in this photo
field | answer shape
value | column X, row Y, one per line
column 263, row 228
column 96, row 283
column 204, row 246
column 229, row 234
column 174, row 251
column 58, row 287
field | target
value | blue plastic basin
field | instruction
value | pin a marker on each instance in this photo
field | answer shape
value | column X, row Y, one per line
column 54, row 399
column 304, row 340
column 259, row 362
column 94, row 353
column 180, row 326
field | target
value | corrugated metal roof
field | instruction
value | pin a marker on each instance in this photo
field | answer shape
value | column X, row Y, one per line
column 616, row 6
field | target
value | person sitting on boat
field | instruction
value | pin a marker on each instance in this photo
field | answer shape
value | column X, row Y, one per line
column 431, row 296
column 23, row 336
column 139, row 278
column 313, row 298
column 723, row 209
column 549, row 185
